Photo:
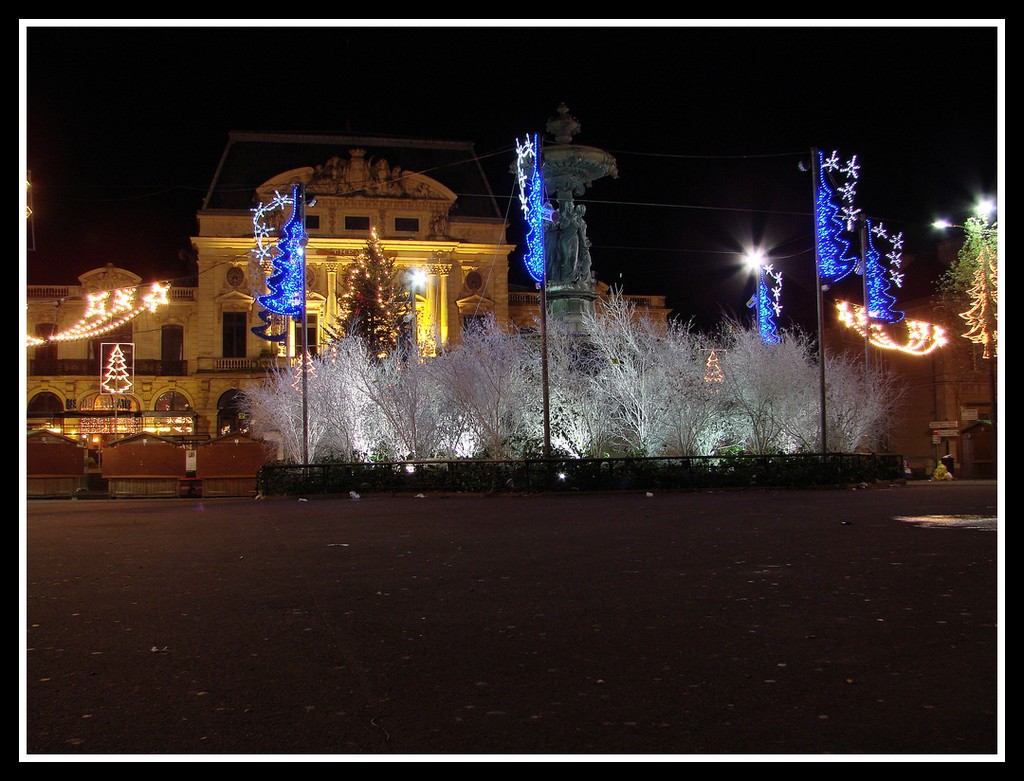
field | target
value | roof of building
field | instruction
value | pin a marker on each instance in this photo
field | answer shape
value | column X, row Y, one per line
column 45, row 436
column 251, row 159
column 147, row 435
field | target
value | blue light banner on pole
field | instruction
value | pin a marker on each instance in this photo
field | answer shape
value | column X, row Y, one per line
column 767, row 303
column 833, row 250
column 876, row 283
column 287, row 281
column 531, row 198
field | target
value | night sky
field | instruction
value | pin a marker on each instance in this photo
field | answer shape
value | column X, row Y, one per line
column 123, row 127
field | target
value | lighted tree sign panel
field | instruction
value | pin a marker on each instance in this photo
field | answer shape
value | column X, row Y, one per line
column 117, row 367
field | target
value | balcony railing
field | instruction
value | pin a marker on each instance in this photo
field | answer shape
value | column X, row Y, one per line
column 243, row 365
column 88, row 367
column 76, row 291
column 150, row 367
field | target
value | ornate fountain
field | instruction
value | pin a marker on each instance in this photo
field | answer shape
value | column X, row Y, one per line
column 568, row 170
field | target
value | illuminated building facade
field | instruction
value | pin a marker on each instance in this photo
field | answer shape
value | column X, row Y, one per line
column 185, row 361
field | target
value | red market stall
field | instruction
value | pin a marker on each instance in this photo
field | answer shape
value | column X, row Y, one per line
column 228, row 465
column 143, row 465
column 55, row 465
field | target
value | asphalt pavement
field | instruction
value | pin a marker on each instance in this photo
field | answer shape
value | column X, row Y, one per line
column 844, row 623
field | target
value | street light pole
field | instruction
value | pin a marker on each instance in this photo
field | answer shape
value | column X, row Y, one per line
column 863, row 234
column 544, row 362
column 815, row 174
column 300, row 208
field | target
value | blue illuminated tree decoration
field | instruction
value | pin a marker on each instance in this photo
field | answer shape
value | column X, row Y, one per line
column 287, row 281
column 531, row 198
column 876, row 283
column 834, row 261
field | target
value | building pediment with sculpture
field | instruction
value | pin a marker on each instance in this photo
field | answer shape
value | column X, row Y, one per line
column 108, row 278
column 362, row 176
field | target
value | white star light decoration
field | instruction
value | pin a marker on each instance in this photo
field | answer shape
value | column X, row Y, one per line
column 849, row 189
column 776, row 289
column 261, row 231
column 895, row 255
column 109, row 310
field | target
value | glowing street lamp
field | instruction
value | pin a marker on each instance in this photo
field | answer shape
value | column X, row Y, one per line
column 982, row 211
column 754, row 259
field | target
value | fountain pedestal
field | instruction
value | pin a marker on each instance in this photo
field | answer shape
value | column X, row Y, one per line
column 568, row 170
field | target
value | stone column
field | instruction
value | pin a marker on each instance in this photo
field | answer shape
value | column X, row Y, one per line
column 439, row 276
column 331, row 307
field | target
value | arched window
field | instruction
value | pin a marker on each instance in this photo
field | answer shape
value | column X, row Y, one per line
column 108, row 401
column 231, row 417
column 45, row 403
column 171, row 400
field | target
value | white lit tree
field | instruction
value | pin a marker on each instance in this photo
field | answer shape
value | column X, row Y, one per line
column 117, row 375
column 698, row 417
column 347, row 414
column 859, row 406
column 760, row 382
column 626, row 388
column 580, row 424
column 275, row 413
column 406, row 400
column 632, row 384
column 493, row 381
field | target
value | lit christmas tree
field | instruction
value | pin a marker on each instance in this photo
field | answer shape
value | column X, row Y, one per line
column 973, row 282
column 372, row 304
column 713, row 372
column 984, row 295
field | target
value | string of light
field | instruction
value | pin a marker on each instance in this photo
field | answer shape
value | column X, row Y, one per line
column 107, row 311
column 921, row 337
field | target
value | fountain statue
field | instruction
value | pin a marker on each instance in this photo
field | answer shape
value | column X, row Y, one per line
column 568, row 170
